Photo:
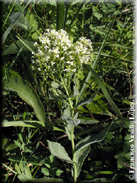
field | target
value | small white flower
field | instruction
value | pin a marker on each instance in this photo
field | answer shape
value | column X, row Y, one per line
column 55, row 46
column 35, row 44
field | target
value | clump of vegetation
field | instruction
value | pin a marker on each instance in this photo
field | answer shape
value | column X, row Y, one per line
column 67, row 88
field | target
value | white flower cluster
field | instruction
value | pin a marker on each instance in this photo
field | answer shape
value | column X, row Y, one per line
column 56, row 54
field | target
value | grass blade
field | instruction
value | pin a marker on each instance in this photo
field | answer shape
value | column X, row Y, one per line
column 25, row 123
column 9, row 13
column 60, row 15
column 109, row 99
column 25, row 44
column 9, row 29
column 66, row 12
column 15, row 46
column 75, row 16
column 13, row 62
column 96, row 60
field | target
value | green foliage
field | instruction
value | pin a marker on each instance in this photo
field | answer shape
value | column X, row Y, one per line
column 58, row 151
column 27, row 93
column 85, row 106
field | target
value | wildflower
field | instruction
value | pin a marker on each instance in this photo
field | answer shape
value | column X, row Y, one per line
column 56, row 50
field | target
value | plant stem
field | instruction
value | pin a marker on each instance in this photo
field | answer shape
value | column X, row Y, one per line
column 73, row 151
column 70, row 102
column 72, row 132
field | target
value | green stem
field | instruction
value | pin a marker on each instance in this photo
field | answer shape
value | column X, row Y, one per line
column 72, row 132
column 73, row 151
column 70, row 101
column 9, row 168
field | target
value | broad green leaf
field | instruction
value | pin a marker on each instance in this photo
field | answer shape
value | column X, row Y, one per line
column 58, row 150
column 13, row 49
column 21, row 22
column 113, row 105
column 27, row 93
column 25, row 123
column 92, row 139
column 80, row 156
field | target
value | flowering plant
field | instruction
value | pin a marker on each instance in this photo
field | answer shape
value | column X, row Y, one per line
column 57, row 55
column 58, row 58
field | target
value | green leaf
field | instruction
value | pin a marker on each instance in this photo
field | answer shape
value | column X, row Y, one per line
column 70, row 121
column 27, row 93
column 92, row 139
column 32, row 22
column 11, row 72
column 113, row 105
column 88, row 121
column 76, row 92
column 25, row 43
column 18, row 7
column 105, row 172
column 96, row 60
column 25, row 178
column 21, row 22
column 68, row 129
column 54, row 84
column 96, row 12
column 27, row 171
column 58, row 96
column 59, row 172
column 57, row 129
column 13, row 49
column 80, row 156
column 25, row 123
column 6, row 33
column 98, row 106
column 86, row 101
column 45, row 171
column 58, row 150
column 60, row 15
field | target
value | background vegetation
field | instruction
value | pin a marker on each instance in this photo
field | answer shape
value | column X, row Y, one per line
column 26, row 128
